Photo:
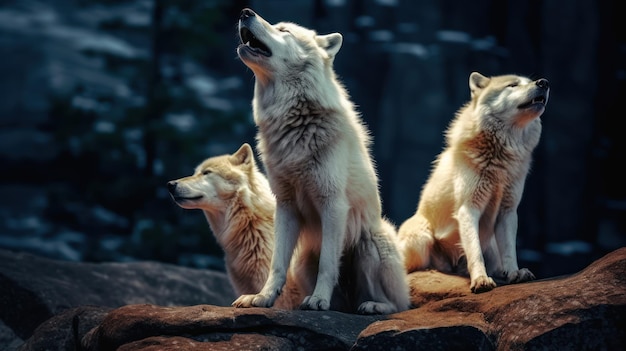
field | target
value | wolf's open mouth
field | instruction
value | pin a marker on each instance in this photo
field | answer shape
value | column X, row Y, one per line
column 249, row 39
column 537, row 100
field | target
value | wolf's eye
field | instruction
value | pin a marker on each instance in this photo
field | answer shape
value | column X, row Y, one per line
column 513, row 85
column 206, row 171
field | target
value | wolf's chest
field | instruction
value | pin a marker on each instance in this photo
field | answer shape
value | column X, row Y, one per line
column 487, row 153
column 300, row 136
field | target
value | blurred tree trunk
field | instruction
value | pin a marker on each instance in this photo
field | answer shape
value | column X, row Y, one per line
column 154, row 99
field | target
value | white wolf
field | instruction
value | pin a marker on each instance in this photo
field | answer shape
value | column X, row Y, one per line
column 238, row 204
column 316, row 153
column 475, row 187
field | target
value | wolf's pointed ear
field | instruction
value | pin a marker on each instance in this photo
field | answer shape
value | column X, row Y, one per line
column 330, row 42
column 477, row 82
column 243, row 155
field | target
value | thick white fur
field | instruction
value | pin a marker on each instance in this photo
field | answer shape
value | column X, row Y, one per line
column 468, row 206
column 316, row 153
column 237, row 201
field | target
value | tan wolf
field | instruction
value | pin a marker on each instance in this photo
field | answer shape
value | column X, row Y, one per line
column 315, row 150
column 236, row 200
column 468, row 206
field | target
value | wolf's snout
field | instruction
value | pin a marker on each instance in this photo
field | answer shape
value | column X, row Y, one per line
column 246, row 13
column 543, row 83
column 171, row 186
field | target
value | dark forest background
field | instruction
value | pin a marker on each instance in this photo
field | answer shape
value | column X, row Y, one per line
column 104, row 101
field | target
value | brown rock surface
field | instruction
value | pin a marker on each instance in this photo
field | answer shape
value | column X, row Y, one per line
column 584, row 311
column 277, row 329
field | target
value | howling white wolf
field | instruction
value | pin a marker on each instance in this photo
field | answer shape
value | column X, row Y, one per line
column 315, row 150
column 468, row 206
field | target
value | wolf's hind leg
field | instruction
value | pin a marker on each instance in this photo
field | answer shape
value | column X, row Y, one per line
column 381, row 277
column 415, row 243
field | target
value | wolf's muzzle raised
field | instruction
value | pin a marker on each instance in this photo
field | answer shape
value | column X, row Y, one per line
column 246, row 13
column 249, row 41
column 171, row 186
column 543, row 83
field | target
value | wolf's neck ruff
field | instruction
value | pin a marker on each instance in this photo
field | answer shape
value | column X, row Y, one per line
column 299, row 127
column 301, row 93
column 492, row 142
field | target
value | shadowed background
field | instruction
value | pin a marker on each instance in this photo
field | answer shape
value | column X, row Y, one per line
column 104, row 101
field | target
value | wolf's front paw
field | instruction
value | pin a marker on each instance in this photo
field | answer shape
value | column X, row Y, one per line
column 373, row 307
column 315, row 303
column 253, row 301
column 482, row 284
column 519, row 276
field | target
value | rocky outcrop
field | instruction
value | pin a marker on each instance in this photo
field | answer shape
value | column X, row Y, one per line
column 34, row 289
column 584, row 311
